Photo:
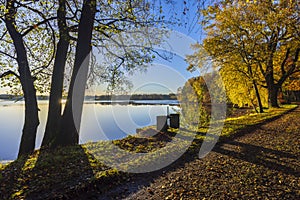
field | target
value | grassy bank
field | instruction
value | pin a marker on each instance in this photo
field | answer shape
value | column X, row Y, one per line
column 78, row 169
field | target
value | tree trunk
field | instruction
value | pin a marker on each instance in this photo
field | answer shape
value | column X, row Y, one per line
column 269, row 76
column 258, row 97
column 272, row 87
column 250, row 71
column 55, row 107
column 273, row 94
column 69, row 130
column 31, row 123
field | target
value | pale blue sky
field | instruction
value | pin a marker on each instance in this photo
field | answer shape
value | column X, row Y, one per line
column 170, row 74
column 167, row 76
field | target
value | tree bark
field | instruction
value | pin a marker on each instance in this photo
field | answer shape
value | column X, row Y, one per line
column 31, row 123
column 269, row 75
column 250, row 71
column 272, row 89
column 273, row 94
column 55, row 107
column 258, row 97
column 69, row 130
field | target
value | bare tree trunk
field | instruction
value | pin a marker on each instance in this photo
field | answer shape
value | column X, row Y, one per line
column 27, row 81
column 55, row 107
column 69, row 130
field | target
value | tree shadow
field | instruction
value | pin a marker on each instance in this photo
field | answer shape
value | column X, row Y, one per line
column 250, row 153
column 133, row 182
column 49, row 175
column 246, row 129
column 10, row 178
column 64, row 172
column 269, row 158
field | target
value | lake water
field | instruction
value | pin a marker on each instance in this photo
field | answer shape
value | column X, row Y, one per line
column 99, row 122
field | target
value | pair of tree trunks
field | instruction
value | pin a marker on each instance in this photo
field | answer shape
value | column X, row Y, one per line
column 62, row 130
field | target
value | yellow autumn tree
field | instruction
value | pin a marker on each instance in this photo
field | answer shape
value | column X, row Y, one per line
column 255, row 44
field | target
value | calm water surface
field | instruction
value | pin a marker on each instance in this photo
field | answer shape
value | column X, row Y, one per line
column 99, row 122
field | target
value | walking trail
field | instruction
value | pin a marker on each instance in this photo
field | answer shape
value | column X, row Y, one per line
column 261, row 162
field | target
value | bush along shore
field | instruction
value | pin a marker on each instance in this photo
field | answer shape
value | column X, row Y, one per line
column 256, row 156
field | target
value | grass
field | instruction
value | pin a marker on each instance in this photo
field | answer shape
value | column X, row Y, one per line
column 76, row 169
column 232, row 125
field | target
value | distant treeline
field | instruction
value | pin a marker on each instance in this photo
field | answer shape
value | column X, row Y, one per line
column 10, row 97
column 19, row 97
column 170, row 96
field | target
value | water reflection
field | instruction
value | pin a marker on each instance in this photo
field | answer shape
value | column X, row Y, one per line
column 99, row 122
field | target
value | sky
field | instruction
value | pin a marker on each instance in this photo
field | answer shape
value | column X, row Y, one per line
column 167, row 76
column 171, row 75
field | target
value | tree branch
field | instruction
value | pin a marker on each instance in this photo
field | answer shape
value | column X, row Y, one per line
column 291, row 70
column 261, row 69
column 54, row 45
column 284, row 61
column 9, row 72
column 6, row 54
column 38, row 24
column 30, row 8
column 3, row 35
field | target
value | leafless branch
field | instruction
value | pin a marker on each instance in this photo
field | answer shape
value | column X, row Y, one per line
column 36, row 25
column 9, row 72
column 6, row 54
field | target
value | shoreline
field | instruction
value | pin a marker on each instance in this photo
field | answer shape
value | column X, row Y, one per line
column 85, row 177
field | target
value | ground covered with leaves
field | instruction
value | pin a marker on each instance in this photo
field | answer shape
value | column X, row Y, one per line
column 257, row 157
column 260, row 162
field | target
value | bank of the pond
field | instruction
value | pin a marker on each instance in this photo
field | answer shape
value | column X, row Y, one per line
column 245, row 163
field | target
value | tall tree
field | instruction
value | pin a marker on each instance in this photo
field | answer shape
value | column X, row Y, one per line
column 71, row 120
column 57, row 83
column 32, row 58
column 236, row 70
column 27, row 81
column 120, row 31
column 259, row 35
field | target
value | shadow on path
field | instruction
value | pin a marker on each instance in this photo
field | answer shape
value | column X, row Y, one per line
column 248, row 152
column 272, row 159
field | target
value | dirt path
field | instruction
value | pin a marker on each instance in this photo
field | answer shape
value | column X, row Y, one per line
column 262, row 163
